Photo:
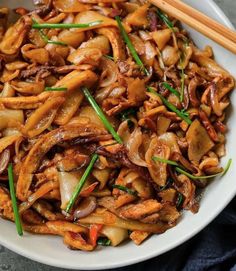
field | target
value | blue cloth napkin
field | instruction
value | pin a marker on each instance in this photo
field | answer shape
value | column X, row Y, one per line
column 213, row 249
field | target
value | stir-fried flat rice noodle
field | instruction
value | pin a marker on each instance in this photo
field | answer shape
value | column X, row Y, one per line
column 112, row 119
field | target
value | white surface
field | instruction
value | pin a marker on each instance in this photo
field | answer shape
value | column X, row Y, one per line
column 50, row 250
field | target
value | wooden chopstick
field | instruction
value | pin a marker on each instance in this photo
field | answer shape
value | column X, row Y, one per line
column 223, row 30
column 173, row 9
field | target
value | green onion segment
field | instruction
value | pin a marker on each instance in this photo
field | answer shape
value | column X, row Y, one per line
column 172, row 90
column 81, row 183
column 65, row 26
column 14, row 201
column 125, row 189
column 109, row 57
column 162, row 160
column 182, row 78
column 171, row 106
column 182, row 171
column 101, row 115
column 55, row 89
column 179, row 200
column 165, row 19
column 103, row 241
column 46, row 39
column 130, row 46
column 57, row 42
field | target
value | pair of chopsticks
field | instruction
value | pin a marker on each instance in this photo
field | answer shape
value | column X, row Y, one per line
column 200, row 22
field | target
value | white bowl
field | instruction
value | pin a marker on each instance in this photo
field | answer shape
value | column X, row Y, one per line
column 52, row 251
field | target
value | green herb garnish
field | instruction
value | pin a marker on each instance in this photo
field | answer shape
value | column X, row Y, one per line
column 125, row 189
column 109, row 57
column 101, row 115
column 182, row 77
column 46, row 39
column 65, row 26
column 171, row 106
column 14, row 201
column 165, row 19
column 179, row 200
column 55, row 89
column 57, row 43
column 182, row 85
column 186, row 114
column 172, row 90
column 130, row 46
column 179, row 169
column 227, row 167
column 166, row 161
column 168, row 183
column 103, row 241
column 81, row 183
column 125, row 116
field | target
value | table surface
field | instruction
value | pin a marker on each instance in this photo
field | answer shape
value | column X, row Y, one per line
column 9, row 261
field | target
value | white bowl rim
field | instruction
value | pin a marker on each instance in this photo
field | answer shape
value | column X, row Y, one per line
column 135, row 259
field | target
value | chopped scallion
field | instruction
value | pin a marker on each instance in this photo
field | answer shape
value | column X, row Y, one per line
column 65, row 26
column 55, row 89
column 182, row 171
column 81, row 183
column 101, row 115
column 109, row 57
column 171, row 106
column 165, row 19
column 14, row 201
column 168, row 183
column 227, row 167
column 172, row 90
column 57, row 42
column 163, row 160
column 179, row 200
column 125, row 115
column 43, row 36
column 46, row 39
column 186, row 114
column 128, row 112
column 130, row 46
column 103, row 241
column 182, row 75
column 125, row 189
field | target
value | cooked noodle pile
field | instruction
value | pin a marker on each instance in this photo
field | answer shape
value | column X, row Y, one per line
column 167, row 111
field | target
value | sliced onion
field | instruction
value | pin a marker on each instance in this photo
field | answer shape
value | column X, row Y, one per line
column 170, row 140
column 137, row 43
column 145, row 36
column 123, row 132
column 110, row 72
column 9, row 117
column 85, row 208
column 103, row 93
column 7, row 91
column 4, row 160
column 133, row 145
column 150, row 53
